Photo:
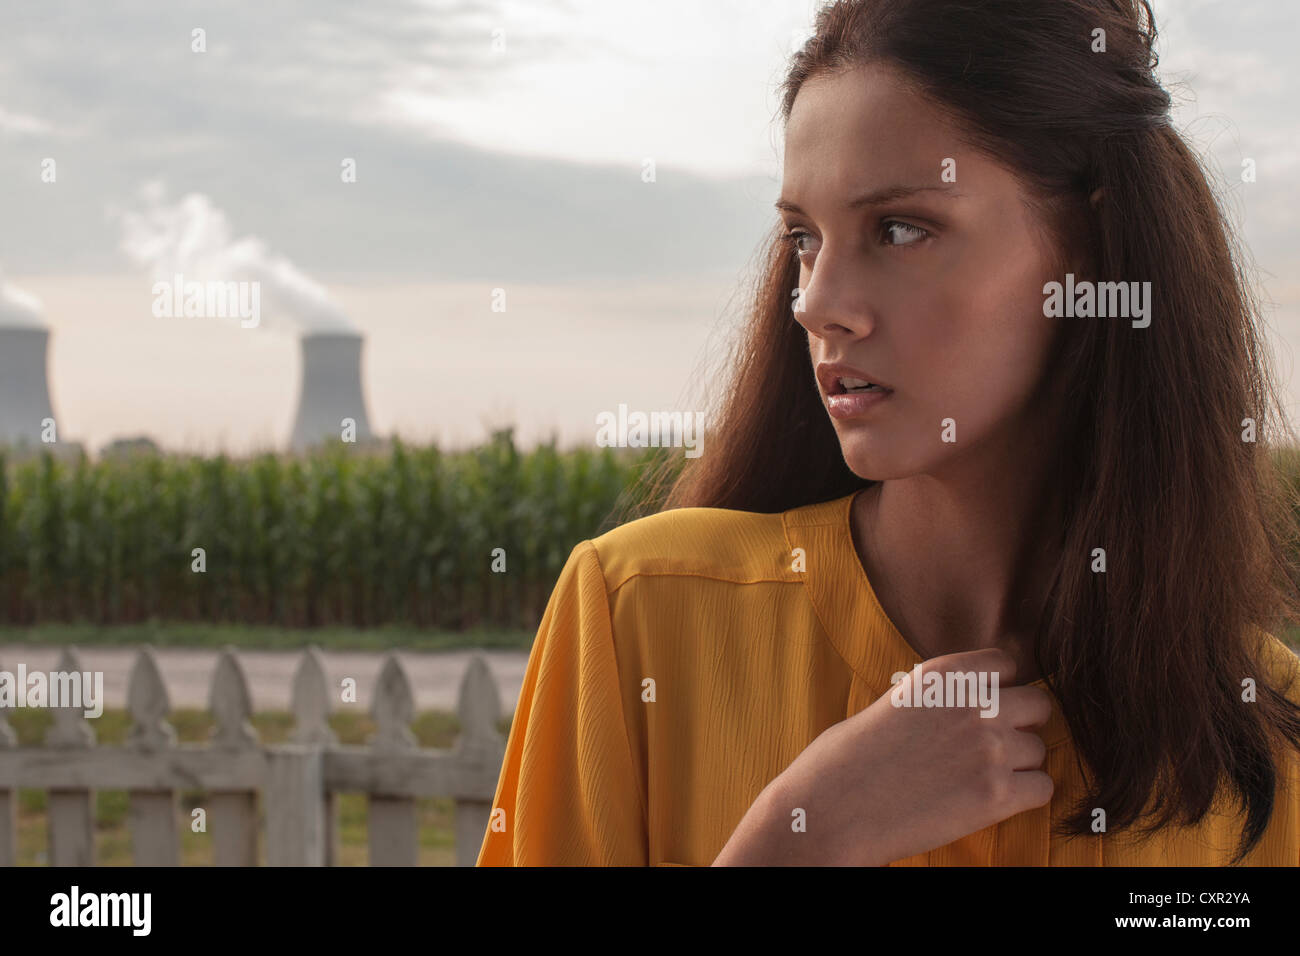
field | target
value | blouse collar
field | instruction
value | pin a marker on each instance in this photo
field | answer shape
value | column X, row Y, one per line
column 850, row 613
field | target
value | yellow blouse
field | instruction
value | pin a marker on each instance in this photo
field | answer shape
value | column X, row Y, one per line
column 685, row 659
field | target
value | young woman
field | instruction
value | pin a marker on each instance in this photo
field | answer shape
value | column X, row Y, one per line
column 923, row 459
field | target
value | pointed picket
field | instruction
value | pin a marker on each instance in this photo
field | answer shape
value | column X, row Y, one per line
column 310, row 701
column 147, row 703
column 392, row 825
column 393, row 707
column 70, row 730
column 231, row 704
column 234, row 812
column 155, row 838
column 479, row 707
column 71, row 813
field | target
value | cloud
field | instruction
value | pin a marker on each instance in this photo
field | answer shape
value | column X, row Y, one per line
column 261, row 122
column 20, row 124
column 17, row 308
column 286, row 90
column 193, row 238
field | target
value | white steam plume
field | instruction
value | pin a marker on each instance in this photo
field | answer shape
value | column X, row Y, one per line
column 193, row 238
column 17, row 308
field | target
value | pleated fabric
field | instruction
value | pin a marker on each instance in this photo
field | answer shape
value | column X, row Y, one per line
column 685, row 659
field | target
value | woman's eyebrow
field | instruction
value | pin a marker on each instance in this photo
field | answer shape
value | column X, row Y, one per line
column 877, row 197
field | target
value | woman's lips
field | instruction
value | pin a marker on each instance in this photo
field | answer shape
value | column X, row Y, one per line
column 852, row 404
column 848, row 405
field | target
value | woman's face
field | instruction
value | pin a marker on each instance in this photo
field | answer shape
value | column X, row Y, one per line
column 930, row 287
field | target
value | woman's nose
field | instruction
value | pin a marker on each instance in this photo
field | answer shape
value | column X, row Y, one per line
column 835, row 297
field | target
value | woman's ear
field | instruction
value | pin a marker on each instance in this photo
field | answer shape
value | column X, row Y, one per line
column 1095, row 199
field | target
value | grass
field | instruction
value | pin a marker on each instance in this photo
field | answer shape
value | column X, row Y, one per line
column 435, row 815
column 267, row 638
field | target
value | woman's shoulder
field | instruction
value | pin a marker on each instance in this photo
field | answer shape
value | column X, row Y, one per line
column 719, row 543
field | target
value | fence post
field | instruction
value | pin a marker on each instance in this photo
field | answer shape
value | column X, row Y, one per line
column 309, row 702
column 479, row 709
column 393, row 828
column 295, row 817
column 154, row 832
column 72, row 811
column 234, row 812
column 8, row 798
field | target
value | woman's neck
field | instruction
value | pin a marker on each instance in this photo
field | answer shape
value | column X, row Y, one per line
column 959, row 562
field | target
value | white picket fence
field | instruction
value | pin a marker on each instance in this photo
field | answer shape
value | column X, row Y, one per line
column 298, row 781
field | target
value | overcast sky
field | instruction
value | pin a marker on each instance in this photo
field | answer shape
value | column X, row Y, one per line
column 471, row 163
column 514, row 165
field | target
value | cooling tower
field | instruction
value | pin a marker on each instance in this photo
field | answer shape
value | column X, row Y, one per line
column 24, row 393
column 331, row 389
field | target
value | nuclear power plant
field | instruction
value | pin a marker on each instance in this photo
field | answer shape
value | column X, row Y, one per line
column 329, row 396
column 24, row 390
column 331, row 390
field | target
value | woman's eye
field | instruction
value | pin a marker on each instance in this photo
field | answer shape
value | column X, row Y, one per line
column 893, row 233
column 902, row 234
column 794, row 239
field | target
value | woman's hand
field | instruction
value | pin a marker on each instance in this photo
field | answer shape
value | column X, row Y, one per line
column 891, row 781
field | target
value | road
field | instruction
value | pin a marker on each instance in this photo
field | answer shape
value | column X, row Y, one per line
column 435, row 676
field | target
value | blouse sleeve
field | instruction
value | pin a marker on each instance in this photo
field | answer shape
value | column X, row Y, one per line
column 568, row 792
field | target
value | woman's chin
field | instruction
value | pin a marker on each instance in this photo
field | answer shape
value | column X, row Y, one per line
column 870, row 469
column 875, row 461
column 868, row 457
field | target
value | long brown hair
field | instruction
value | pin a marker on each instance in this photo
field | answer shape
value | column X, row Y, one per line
column 1148, row 658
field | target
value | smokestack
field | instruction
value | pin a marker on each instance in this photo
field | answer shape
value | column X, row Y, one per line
column 24, row 390
column 24, row 394
column 331, row 389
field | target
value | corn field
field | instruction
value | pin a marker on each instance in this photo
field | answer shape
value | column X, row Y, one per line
column 333, row 538
column 339, row 537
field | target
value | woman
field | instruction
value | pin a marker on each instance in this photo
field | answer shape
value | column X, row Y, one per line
column 928, row 454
